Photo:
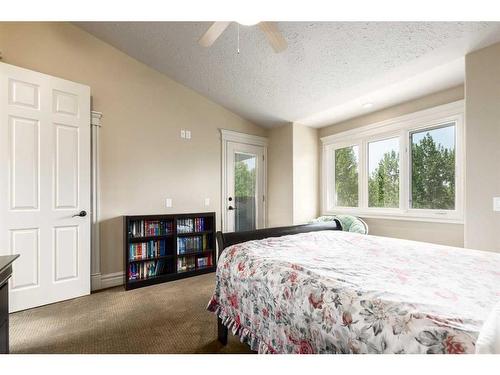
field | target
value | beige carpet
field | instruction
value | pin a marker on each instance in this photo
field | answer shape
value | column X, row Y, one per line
column 164, row 318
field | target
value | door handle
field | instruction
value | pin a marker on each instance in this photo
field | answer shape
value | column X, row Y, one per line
column 82, row 213
column 231, row 208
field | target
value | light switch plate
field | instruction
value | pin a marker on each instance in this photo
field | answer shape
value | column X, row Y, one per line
column 496, row 203
column 188, row 134
column 183, row 133
column 168, row 202
column 207, row 202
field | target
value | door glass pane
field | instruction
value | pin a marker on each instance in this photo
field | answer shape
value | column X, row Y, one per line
column 245, row 182
column 346, row 176
column 383, row 173
column 433, row 168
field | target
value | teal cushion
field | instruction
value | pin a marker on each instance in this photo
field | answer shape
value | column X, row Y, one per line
column 349, row 223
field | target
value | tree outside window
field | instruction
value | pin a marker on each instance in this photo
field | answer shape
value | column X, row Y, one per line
column 346, row 176
column 433, row 168
column 383, row 173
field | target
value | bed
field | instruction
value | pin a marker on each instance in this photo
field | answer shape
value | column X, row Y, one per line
column 316, row 289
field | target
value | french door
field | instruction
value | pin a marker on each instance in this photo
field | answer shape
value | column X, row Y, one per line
column 244, row 205
column 44, row 186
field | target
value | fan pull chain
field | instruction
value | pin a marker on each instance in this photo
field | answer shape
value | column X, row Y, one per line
column 238, row 42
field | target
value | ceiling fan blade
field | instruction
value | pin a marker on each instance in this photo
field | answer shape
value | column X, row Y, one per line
column 213, row 33
column 274, row 36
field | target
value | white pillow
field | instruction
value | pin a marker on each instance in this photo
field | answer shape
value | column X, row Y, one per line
column 488, row 341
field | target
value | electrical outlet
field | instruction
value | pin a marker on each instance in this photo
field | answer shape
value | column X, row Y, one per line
column 168, row 202
column 496, row 203
column 188, row 134
column 207, row 202
column 183, row 133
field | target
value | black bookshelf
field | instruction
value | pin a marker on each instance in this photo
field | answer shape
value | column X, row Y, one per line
column 160, row 248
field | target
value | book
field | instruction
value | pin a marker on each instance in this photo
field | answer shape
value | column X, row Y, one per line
column 146, row 270
column 149, row 228
column 192, row 244
column 150, row 249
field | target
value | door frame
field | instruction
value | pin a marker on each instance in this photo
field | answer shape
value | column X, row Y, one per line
column 95, row 200
column 254, row 140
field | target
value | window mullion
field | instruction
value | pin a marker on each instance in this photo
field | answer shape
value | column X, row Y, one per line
column 363, row 174
column 404, row 171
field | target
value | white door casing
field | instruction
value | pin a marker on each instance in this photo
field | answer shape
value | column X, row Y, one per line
column 44, row 182
column 239, row 143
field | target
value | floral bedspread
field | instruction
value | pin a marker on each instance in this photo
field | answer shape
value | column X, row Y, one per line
column 340, row 292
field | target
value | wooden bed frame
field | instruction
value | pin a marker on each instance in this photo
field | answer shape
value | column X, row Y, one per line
column 225, row 240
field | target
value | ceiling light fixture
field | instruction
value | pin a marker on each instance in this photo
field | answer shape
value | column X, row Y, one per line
column 367, row 105
column 248, row 22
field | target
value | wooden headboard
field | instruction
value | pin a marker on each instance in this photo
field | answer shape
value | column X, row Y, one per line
column 225, row 240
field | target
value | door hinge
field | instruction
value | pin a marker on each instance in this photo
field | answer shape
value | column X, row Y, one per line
column 263, row 198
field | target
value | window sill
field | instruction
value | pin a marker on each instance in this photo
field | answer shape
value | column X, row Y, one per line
column 399, row 216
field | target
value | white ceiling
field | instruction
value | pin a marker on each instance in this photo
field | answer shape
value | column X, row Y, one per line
column 328, row 72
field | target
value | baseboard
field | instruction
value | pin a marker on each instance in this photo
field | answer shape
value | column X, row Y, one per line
column 95, row 281
column 108, row 280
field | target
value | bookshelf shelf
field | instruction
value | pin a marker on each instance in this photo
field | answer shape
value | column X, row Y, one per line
column 152, row 258
column 149, row 238
column 192, row 253
column 160, row 248
column 193, row 233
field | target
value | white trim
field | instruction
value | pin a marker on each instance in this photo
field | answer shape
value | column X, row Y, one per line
column 400, row 127
column 232, row 136
column 95, row 282
column 108, row 280
column 415, row 119
column 255, row 140
column 112, row 279
column 392, row 216
column 95, row 270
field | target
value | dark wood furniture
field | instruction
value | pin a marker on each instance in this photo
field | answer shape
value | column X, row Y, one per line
column 195, row 248
column 225, row 240
column 5, row 274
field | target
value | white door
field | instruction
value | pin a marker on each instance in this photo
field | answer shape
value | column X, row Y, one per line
column 44, row 183
column 245, row 175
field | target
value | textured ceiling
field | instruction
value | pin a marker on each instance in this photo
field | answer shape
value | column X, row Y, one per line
column 327, row 67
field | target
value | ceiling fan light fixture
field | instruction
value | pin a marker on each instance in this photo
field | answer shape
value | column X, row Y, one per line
column 273, row 35
column 248, row 22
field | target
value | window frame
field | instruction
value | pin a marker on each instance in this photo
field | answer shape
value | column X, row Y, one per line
column 377, row 138
column 400, row 127
column 338, row 147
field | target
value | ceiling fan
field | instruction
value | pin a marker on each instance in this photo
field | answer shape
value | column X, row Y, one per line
column 274, row 37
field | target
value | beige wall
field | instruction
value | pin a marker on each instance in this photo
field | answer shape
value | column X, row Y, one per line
column 280, row 176
column 305, row 174
column 293, row 177
column 143, row 157
column 482, row 93
column 447, row 234
column 444, row 234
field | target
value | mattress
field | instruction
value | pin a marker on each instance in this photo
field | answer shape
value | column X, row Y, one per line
column 340, row 292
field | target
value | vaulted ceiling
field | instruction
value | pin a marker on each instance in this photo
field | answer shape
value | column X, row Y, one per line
column 330, row 71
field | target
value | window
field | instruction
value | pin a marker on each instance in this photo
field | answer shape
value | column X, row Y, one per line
column 346, row 176
column 433, row 168
column 383, row 173
column 409, row 167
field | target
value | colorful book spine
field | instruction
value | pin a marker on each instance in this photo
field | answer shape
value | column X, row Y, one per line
column 199, row 224
column 149, row 228
column 144, row 250
column 146, row 270
column 191, row 244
